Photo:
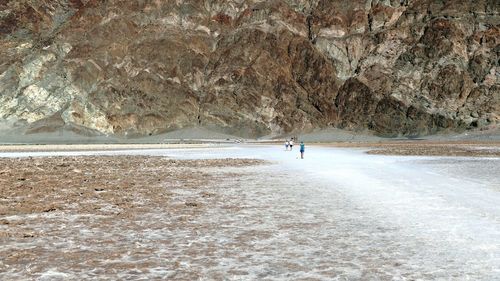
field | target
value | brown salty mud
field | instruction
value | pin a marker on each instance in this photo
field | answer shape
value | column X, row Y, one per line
column 336, row 215
column 427, row 148
column 93, row 147
column 61, row 215
column 439, row 149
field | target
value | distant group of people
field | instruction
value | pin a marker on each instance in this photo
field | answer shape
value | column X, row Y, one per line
column 290, row 143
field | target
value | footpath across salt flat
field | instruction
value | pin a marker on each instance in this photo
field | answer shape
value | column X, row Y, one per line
column 338, row 213
column 445, row 207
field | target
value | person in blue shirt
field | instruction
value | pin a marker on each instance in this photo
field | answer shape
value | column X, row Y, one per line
column 302, row 149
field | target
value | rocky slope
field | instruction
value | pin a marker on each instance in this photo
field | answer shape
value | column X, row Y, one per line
column 249, row 67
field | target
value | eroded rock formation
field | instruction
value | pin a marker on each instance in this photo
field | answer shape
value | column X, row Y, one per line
column 249, row 67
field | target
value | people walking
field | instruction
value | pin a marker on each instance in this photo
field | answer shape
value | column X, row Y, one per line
column 286, row 145
column 291, row 145
column 302, row 149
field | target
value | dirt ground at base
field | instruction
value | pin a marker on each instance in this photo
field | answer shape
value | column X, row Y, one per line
column 427, row 148
column 57, row 198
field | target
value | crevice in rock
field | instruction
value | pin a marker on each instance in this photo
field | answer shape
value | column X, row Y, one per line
column 348, row 56
column 370, row 22
column 317, row 107
column 310, row 34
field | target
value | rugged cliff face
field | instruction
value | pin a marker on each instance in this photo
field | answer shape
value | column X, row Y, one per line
column 249, row 67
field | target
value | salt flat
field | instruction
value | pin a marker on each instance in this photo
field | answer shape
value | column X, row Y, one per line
column 337, row 214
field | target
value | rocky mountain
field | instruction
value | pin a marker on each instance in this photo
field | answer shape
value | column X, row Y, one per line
column 249, row 67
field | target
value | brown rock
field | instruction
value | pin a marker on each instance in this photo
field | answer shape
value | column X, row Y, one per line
column 248, row 68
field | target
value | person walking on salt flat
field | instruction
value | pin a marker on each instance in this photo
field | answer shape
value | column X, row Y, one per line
column 302, row 149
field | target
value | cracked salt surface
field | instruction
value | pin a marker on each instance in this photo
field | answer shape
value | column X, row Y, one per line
column 339, row 214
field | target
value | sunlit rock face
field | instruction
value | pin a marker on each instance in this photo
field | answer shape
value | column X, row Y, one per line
column 249, row 68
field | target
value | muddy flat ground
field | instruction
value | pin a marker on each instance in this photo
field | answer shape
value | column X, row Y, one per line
column 251, row 212
column 92, row 147
column 85, row 216
column 426, row 148
column 408, row 148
